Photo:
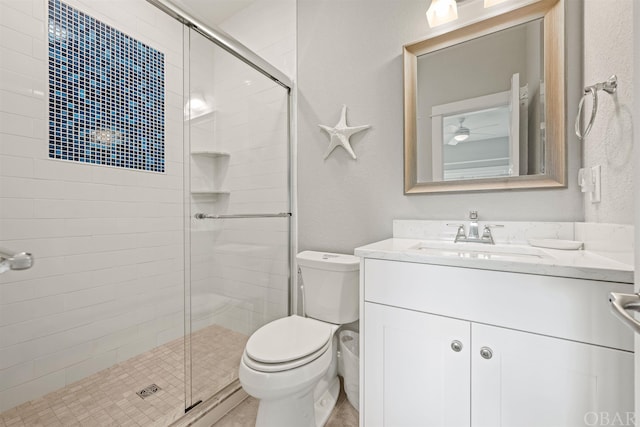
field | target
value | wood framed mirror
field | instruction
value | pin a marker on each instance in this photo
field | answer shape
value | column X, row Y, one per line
column 484, row 105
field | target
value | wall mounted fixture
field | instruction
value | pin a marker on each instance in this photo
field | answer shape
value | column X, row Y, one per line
column 442, row 11
column 610, row 86
column 15, row 261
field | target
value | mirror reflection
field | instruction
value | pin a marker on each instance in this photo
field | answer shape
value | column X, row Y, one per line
column 480, row 107
column 475, row 144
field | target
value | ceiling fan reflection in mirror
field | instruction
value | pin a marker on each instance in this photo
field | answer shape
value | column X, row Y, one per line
column 456, row 134
column 460, row 134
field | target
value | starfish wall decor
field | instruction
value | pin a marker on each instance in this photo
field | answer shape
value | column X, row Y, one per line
column 341, row 133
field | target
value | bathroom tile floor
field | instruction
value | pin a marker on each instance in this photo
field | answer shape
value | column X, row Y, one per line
column 108, row 397
column 244, row 415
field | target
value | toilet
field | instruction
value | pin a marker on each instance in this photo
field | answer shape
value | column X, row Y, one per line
column 290, row 364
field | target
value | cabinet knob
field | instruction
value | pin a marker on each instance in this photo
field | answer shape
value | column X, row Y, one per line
column 486, row 353
column 456, row 346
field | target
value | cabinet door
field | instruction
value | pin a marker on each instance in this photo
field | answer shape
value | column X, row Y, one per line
column 412, row 376
column 532, row 380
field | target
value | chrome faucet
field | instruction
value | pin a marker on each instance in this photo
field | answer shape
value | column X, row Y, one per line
column 474, row 235
column 473, row 226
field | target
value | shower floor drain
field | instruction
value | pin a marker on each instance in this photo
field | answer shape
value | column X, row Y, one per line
column 148, row 391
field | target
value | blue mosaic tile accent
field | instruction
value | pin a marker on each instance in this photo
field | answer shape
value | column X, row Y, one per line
column 106, row 94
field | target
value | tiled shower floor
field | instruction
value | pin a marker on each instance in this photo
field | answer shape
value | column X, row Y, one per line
column 108, row 397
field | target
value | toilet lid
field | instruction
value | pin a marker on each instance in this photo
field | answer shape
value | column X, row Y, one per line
column 288, row 339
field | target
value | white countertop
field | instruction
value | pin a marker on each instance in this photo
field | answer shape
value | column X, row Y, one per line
column 581, row 264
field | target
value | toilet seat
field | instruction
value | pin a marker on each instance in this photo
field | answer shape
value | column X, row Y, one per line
column 280, row 367
column 287, row 343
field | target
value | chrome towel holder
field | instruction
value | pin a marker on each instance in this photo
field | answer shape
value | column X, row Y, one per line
column 610, row 86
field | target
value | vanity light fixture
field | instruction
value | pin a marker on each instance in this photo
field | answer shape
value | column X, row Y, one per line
column 490, row 3
column 442, row 11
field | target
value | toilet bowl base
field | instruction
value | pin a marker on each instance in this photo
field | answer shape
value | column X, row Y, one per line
column 291, row 412
column 300, row 411
column 327, row 401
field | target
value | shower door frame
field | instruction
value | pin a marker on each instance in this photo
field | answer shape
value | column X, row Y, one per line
column 246, row 55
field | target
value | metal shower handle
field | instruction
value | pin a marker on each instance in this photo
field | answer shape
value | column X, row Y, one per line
column 16, row 261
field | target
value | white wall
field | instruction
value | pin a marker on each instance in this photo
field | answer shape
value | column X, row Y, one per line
column 349, row 52
column 108, row 277
column 609, row 49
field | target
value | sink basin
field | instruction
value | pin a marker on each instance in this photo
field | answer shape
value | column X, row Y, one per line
column 480, row 250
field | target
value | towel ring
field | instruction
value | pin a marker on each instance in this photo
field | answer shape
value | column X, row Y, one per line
column 610, row 86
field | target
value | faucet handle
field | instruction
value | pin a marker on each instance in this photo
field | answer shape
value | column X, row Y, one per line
column 494, row 226
column 460, row 233
column 486, row 232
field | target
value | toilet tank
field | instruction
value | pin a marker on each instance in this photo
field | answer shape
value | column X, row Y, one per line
column 331, row 285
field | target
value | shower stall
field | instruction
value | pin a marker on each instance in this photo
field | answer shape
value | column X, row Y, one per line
column 237, row 201
column 143, row 285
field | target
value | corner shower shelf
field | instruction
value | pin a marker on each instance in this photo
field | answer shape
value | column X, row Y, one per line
column 202, row 117
column 210, row 153
column 207, row 184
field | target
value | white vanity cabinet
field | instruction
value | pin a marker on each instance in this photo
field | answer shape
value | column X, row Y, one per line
column 450, row 346
column 532, row 380
column 412, row 375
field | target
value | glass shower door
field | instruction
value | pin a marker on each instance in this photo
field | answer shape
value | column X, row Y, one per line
column 238, row 231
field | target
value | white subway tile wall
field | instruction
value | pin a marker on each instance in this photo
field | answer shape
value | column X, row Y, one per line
column 107, row 283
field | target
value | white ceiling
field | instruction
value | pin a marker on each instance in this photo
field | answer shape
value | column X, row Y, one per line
column 212, row 11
